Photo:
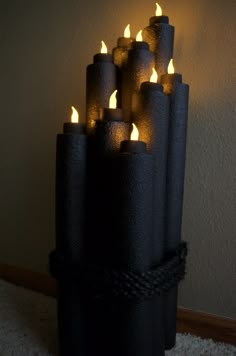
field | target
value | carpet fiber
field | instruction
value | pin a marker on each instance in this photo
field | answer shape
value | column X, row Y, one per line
column 28, row 328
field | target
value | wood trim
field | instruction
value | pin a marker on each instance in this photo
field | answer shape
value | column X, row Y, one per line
column 36, row 281
column 205, row 325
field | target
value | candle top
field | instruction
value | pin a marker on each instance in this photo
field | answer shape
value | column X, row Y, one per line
column 159, row 18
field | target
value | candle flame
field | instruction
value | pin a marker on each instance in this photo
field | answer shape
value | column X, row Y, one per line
column 75, row 115
column 139, row 36
column 113, row 101
column 127, row 31
column 158, row 10
column 154, row 76
column 134, row 134
column 171, row 68
column 104, row 48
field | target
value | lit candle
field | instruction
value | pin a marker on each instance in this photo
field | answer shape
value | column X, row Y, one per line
column 71, row 160
column 160, row 37
column 70, row 187
column 151, row 115
column 138, row 70
column 178, row 93
column 120, row 53
column 122, row 240
column 133, row 145
column 110, row 131
column 101, row 80
column 170, row 79
column 74, row 126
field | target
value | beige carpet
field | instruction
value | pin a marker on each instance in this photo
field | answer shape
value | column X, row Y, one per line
column 28, row 328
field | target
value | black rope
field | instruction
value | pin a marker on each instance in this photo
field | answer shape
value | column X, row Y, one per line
column 98, row 282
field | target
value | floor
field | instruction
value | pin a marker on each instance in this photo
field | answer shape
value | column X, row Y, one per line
column 28, row 328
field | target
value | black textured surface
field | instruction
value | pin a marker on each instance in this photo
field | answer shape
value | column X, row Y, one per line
column 124, row 328
column 73, row 128
column 120, row 53
column 169, row 81
column 138, row 70
column 71, row 318
column 152, row 120
column 70, row 194
column 112, row 114
column 160, row 37
column 70, row 230
column 159, row 19
column 133, row 146
column 101, row 81
column 123, row 284
column 175, row 189
column 108, row 136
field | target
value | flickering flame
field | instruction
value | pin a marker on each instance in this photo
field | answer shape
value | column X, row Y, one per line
column 127, row 31
column 139, row 36
column 171, row 68
column 75, row 115
column 134, row 134
column 154, row 76
column 104, row 48
column 113, row 101
column 158, row 10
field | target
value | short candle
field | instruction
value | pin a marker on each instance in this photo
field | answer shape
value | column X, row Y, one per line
column 103, row 56
column 74, row 126
column 133, row 145
column 159, row 18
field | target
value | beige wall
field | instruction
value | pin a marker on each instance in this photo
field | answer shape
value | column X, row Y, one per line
column 45, row 47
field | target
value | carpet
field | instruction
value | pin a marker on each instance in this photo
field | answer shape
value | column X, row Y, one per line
column 28, row 328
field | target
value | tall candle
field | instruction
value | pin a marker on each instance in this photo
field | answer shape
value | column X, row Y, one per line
column 160, row 37
column 70, row 229
column 101, row 81
column 110, row 131
column 138, row 70
column 123, row 327
column 105, row 143
column 152, row 120
column 179, row 94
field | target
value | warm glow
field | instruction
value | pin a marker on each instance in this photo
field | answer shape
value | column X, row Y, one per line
column 154, row 76
column 134, row 134
column 74, row 115
column 127, row 31
column 113, row 101
column 104, row 48
column 171, row 68
column 158, row 10
column 139, row 36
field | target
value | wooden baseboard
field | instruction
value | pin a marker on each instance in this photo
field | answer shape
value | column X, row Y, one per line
column 205, row 325
column 36, row 281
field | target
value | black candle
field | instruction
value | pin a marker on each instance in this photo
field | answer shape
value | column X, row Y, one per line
column 138, row 70
column 152, row 119
column 70, row 229
column 120, row 53
column 110, row 131
column 160, row 37
column 179, row 94
column 101, row 81
column 122, row 327
column 105, row 143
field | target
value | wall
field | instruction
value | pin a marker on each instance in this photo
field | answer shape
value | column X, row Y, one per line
column 45, row 47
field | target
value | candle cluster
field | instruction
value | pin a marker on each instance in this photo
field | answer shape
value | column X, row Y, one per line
column 119, row 192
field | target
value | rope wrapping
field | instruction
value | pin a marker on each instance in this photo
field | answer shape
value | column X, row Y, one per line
column 97, row 282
